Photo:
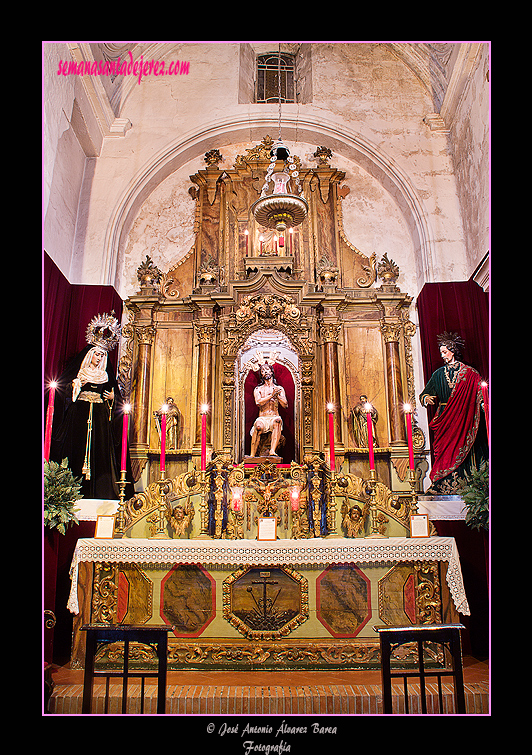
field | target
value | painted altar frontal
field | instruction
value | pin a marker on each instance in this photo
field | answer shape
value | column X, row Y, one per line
column 301, row 600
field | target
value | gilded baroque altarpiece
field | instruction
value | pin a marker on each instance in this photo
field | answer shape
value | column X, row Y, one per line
column 336, row 327
column 334, row 316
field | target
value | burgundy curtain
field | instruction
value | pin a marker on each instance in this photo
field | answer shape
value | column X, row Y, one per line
column 56, row 307
column 461, row 307
column 66, row 311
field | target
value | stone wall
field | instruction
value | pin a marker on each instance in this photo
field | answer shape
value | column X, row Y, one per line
column 366, row 104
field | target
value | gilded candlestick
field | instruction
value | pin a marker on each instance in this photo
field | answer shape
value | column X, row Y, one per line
column 121, row 517
column 164, row 486
column 374, row 520
column 204, row 511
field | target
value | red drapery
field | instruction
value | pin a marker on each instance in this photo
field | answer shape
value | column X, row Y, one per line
column 461, row 307
column 66, row 311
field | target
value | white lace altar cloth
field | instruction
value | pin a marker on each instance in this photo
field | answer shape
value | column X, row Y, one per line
column 294, row 553
column 444, row 508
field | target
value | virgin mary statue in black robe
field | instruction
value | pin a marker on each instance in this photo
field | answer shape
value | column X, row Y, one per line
column 88, row 419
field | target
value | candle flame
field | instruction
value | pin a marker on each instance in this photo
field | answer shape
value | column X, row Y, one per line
column 53, row 384
column 164, row 408
column 204, row 408
column 330, row 407
column 127, row 408
column 407, row 408
column 246, row 231
column 484, row 384
column 368, row 407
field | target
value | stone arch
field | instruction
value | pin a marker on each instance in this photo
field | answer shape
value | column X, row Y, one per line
column 252, row 128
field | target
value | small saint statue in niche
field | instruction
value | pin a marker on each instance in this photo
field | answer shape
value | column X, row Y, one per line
column 172, row 423
column 268, row 395
column 360, row 423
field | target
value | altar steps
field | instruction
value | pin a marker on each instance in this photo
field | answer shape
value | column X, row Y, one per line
column 264, row 693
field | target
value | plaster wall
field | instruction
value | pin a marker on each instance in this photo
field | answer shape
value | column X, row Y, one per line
column 63, row 161
column 367, row 106
column 470, row 144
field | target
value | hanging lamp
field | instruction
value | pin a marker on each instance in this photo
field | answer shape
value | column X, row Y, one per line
column 282, row 208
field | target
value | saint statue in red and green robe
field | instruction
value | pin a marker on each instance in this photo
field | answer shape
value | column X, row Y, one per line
column 458, row 427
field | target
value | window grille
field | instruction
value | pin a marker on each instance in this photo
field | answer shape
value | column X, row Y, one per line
column 268, row 78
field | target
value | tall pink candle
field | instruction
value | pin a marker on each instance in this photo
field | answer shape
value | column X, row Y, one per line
column 163, row 440
column 203, row 441
column 49, row 422
column 370, row 440
column 247, row 241
column 484, row 388
column 125, row 425
column 409, row 435
column 331, row 442
column 291, row 240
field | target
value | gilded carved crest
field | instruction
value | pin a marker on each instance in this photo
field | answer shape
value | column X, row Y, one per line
column 267, row 311
column 269, row 307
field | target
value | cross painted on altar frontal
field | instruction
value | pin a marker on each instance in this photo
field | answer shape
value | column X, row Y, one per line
column 264, row 581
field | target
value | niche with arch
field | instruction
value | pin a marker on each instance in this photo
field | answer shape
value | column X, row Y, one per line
column 274, row 346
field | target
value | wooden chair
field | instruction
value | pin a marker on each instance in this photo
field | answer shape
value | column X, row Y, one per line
column 96, row 634
column 447, row 635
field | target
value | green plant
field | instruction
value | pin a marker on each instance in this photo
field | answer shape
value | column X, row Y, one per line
column 474, row 489
column 61, row 491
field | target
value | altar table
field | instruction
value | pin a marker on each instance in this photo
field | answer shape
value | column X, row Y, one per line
column 312, row 552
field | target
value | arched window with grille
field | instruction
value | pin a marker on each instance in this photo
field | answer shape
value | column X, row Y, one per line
column 268, row 77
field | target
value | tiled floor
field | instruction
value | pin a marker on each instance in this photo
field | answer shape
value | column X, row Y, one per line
column 270, row 693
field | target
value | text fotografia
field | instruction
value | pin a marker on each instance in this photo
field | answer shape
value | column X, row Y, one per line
column 138, row 68
column 248, row 730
